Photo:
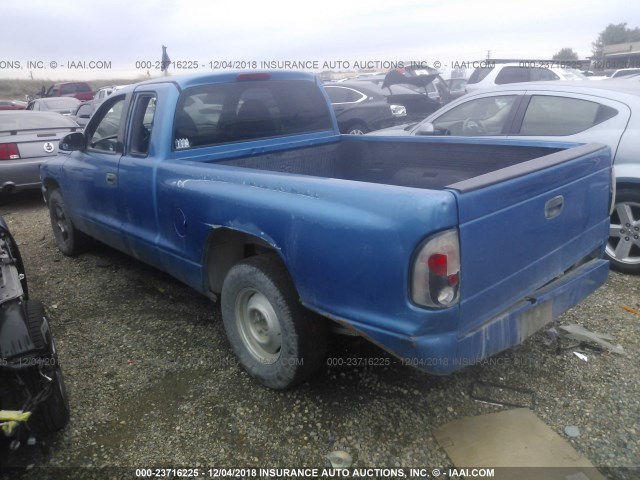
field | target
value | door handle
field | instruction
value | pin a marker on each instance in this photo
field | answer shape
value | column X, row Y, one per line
column 111, row 179
column 553, row 207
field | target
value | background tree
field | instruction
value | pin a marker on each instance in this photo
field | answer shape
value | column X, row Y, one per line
column 565, row 54
column 614, row 34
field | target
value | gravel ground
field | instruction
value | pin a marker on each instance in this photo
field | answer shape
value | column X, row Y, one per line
column 152, row 381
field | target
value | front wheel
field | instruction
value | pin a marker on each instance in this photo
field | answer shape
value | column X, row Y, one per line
column 276, row 340
column 623, row 246
column 68, row 238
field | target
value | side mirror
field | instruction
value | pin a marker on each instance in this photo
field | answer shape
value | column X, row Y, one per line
column 426, row 129
column 72, row 142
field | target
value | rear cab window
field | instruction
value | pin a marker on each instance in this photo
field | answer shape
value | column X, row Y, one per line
column 248, row 110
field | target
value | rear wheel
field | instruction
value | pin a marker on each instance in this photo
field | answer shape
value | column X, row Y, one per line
column 68, row 238
column 276, row 340
column 623, row 247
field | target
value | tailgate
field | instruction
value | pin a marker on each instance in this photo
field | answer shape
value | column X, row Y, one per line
column 523, row 226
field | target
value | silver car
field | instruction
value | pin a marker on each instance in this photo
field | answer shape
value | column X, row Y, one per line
column 605, row 112
column 62, row 105
column 27, row 139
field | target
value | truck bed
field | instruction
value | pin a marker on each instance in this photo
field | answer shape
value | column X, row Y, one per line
column 432, row 165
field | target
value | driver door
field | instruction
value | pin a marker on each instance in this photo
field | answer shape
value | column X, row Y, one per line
column 92, row 174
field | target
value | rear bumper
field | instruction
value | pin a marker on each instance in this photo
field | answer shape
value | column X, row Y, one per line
column 445, row 353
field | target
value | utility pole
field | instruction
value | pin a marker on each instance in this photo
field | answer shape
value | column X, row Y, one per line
column 488, row 54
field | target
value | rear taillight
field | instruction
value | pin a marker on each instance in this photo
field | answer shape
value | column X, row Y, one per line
column 398, row 110
column 9, row 151
column 435, row 279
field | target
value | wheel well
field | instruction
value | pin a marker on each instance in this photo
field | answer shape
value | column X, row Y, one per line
column 49, row 185
column 356, row 122
column 225, row 248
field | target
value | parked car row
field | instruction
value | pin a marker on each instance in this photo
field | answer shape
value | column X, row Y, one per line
column 506, row 73
column 363, row 106
column 80, row 90
column 359, row 108
column 373, row 101
column 582, row 111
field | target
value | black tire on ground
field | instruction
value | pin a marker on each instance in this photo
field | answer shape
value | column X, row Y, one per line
column 276, row 340
column 623, row 246
column 37, row 324
column 53, row 413
column 357, row 128
column 69, row 239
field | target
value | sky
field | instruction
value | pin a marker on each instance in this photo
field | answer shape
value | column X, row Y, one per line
column 83, row 39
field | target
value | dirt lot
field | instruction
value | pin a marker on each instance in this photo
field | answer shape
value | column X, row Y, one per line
column 152, row 381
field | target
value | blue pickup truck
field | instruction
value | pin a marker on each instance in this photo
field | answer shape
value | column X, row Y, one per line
column 441, row 251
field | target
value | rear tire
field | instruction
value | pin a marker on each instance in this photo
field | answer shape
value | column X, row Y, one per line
column 357, row 128
column 276, row 340
column 623, row 246
column 69, row 239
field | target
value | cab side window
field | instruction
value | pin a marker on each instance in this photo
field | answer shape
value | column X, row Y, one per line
column 103, row 136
